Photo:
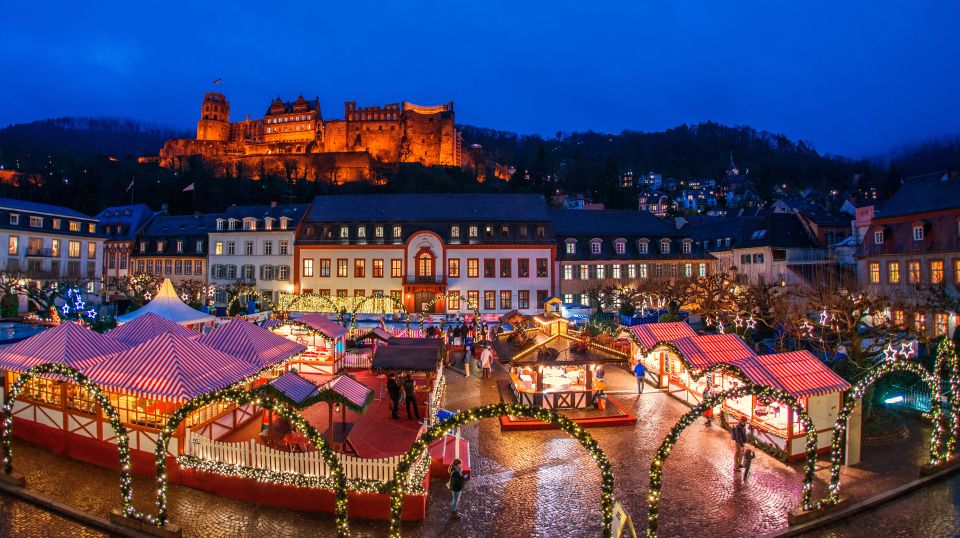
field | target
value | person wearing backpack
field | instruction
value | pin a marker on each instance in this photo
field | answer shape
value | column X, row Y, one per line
column 456, row 483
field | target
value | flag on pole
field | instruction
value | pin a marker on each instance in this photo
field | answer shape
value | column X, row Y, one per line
column 217, row 82
column 188, row 188
column 130, row 186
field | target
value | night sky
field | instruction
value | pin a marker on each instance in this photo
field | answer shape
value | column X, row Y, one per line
column 852, row 77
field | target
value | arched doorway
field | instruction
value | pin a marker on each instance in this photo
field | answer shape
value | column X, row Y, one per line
column 423, row 298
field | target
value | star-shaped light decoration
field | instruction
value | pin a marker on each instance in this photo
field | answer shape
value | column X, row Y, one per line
column 824, row 317
column 707, row 321
column 890, row 354
column 79, row 304
column 65, row 309
column 751, row 323
column 908, row 350
column 148, row 296
column 91, row 313
column 720, row 326
column 807, row 329
column 738, row 321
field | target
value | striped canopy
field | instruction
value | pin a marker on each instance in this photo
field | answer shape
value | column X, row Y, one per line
column 242, row 339
column 167, row 304
column 802, row 374
column 294, row 387
column 145, row 327
column 170, row 367
column 67, row 343
column 320, row 323
column 649, row 334
column 356, row 395
column 702, row 352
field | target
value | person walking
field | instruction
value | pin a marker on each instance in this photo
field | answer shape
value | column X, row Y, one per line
column 739, row 435
column 708, row 412
column 456, row 483
column 393, row 388
column 640, row 371
column 409, row 389
column 456, row 336
column 748, row 456
column 486, row 361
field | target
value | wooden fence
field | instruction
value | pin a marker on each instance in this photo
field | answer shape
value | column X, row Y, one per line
column 252, row 454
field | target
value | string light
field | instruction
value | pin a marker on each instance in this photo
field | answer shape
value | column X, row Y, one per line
column 396, row 487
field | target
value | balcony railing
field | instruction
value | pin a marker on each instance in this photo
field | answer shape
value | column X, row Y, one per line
column 425, row 279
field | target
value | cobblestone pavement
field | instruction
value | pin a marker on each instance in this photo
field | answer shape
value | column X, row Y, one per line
column 525, row 483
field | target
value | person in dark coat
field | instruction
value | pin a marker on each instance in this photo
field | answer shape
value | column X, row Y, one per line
column 739, row 435
column 393, row 388
column 409, row 390
column 457, row 481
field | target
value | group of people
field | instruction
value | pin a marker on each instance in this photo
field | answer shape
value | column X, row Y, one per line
column 407, row 388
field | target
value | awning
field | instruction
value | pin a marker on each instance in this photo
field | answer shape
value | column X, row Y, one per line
column 145, row 327
column 701, row 352
column 349, row 391
column 377, row 333
column 406, row 358
column 170, row 367
column 318, row 322
column 242, row 339
column 802, row 374
column 67, row 343
column 294, row 388
column 650, row 334
column 167, row 304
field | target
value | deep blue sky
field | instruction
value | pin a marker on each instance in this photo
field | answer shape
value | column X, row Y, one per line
column 852, row 77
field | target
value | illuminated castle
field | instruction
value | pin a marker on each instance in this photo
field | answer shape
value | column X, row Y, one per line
column 293, row 140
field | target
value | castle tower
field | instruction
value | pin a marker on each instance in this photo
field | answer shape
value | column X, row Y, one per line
column 214, row 121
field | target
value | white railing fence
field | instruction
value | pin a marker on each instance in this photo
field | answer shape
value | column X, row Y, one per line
column 252, row 454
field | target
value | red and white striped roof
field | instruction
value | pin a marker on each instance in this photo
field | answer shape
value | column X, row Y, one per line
column 67, row 343
column 704, row 351
column 320, row 323
column 240, row 338
column 649, row 334
column 170, row 367
column 354, row 391
column 802, row 374
column 145, row 327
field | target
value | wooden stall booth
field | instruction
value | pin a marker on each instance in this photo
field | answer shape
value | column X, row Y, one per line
column 324, row 339
column 644, row 338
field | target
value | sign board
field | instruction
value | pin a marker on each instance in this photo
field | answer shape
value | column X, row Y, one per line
column 622, row 522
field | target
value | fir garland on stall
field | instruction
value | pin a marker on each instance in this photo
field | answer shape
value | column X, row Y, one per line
column 947, row 356
column 264, row 401
column 397, row 488
column 444, row 296
column 762, row 393
column 123, row 442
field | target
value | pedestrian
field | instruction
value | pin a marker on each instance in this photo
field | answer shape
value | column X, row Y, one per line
column 486, row 360
column 456, row 483
column 393, row 388
column 456, row 336
column 640, row 371
column 409, row 389
column 599, row 372
column 449, row 336
column 748, row 456
column 739, row 435
column 708, row 412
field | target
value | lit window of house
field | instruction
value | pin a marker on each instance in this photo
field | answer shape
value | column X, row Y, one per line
column 913, row 272
column 936, row 271
column 571, row 247
column 874, row 273
column 893, row 272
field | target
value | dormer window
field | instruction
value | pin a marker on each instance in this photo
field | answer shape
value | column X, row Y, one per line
column 250, row 225
column 918, row 232
column 143, row 246
column 36, row 222
column 378, row 232
column 620, row 246
column 664, row 246
column 284, row 223
column 571, row 246
column 268, row 223
column 14, row 219
column 643, row 246
column 504, row 231
column 344, row 232
column 160, row 246
column 474, row 232
column 397, row 232
column 232, row 224
column 179, row 246
column 220, row 224
column 878, row 237
column 687, row 246
column 455, row 232
column 595, row 246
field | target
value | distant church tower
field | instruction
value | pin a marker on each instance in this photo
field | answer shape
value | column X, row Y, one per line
column 214, row 121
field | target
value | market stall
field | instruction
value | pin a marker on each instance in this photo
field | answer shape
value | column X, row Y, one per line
column 553, row 368
column 422, row 359
column 644, row 338
column 145, row 327
column 268, row 351
column 689, row 354
column 324, row 340
column 168, row 305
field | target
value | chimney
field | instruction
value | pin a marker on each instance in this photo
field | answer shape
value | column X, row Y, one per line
column 164, row 209
column 273, row 204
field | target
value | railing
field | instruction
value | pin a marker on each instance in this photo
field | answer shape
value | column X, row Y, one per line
column 359, row 358
column 252, row 454
column 424, row 279
column 41, row 252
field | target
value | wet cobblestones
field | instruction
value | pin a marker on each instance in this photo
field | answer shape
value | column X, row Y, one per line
column 525, row 483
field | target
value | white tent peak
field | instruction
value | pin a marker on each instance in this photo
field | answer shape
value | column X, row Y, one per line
column 167, row 305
